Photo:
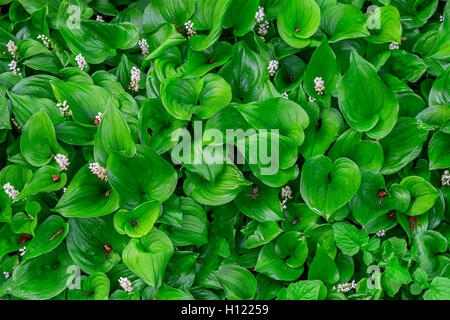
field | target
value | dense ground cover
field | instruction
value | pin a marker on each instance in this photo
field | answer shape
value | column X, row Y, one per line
column 224, row 149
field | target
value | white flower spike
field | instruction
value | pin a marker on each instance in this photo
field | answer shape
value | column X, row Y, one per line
column 319, row 85
column 126, row 284
column 62, row 161
column 273, row 67
column 259, row 15
column 81, row 62
column 10, row 191
column 98, row 170
column 135, row 78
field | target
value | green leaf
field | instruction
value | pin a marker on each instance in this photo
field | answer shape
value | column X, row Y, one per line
column 241, row 16
column 193, row 229
column 38, row 143
column 343, row 21
column 367, row 154
column 113, row 135
column 237, row 282
column 148, row 256
column 45, row 179
column 304, row 290
column 225, row 189
column 384, row 24
column 176, row 11
column 138, row 222
column 283, row 258
column 323, row 268
column 349, row 238
column 259, row 234
column 143, row 177
column 322, row 65
column 92, row 38
column 326, row 186
column 439, row 289
column 87, row 196
column 166, row 37
column 43, row 277
column 260, row 203
column 423, row 195
column 210, row 15
column 95, row 287
column 438, row 150
column 92, row 245
column 277, row 113
column 245, row 73
column 48, row 236
column 379, row 115
column 297, row 21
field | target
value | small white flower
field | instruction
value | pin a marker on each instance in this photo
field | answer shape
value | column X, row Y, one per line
column 263, row 29
column 22, row 251
column 98, row 118
column 319, row 85
column 45, row 40
column 126, row 284
column 13, row 68
column 311, row 99
column 273, row 67
column 191, row 31
column 10, row 190
column 81, row 61
column 98, row 170
column 285, row 95
column 345, row 287
column 394, row 46
column 135, row 78
column 16, row 124
column 286, row 194
column 99, row 18
column 445, row 178
column 62, row 161
column 441, row 19
column 259, row 15
column 381, row 233
column 7, row 274
column 64, row 189
column 12, row 48
column 143, row 44
column 64, row 108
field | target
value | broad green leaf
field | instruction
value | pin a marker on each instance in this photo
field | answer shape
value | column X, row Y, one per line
column 225, row 188
column 297, row 21
column 322, row 65
column 304, row 290
column 210, row 15
column 379, row 114
column 349, row 238
column 403, row 144
column 143, row 177
column 38, row 143
column 237, row 282
column 43, row 277
column 93, row 38
column 92, row 245
column 326, row 186
column 384, row 24
column 148, row 256
column 45, row 179
column 48, row 236
column 343, row 21
column 323, row 268
column 423, row 195
column 94, row 287
column 137, row 222
column 367, row 154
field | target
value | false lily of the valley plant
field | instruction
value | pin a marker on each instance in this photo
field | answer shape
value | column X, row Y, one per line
column 224, row 149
